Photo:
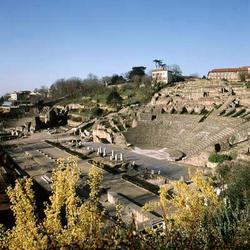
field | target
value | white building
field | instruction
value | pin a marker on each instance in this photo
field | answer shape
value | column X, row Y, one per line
column 230, row 74
column 13, row 96
column 162, row 74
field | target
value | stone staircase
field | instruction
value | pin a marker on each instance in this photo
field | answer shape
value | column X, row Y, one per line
column 247, row 112
column 81, row 126
column 185, row 132
column 224, row 106
column 241, row 112
column 211, row 140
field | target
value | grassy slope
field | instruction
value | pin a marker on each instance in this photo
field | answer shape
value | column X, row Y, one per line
column 130, row 93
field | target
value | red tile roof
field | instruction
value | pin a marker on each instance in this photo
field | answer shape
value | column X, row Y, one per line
column 241, row 69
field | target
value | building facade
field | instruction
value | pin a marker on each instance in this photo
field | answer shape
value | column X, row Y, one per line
column 162, row 74
column 230, row 74
column 13, row 96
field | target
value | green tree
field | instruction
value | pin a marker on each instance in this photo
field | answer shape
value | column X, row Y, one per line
column 157, row 62
column 114, row 99
column 136, row 73
column 96, row 112
column 176, row 69
column 243, row 76
column 117, row 79
column 1, row 100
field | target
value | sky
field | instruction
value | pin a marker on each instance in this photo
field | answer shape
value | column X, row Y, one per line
column 42, row 41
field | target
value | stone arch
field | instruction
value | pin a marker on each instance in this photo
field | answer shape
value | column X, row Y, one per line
column 205, row 94
column 217, row 147
column 153, row 117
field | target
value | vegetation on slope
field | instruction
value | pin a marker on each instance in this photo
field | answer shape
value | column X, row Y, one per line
column 130, row 94
column 201, row 219
column 101, row 100
column 235, row 176
column 219, row 158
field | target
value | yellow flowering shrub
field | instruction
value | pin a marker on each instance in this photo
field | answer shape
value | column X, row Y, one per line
column 193, row 215
column 27, row 233
column 192, row 202
column 68, row 220
column 82, row 220
column 189, row 204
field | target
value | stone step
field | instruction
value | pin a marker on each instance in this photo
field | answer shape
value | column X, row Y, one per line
column 247, row 112
column 239, row 112
column 230, row 111
column 224, row 106
column 247, row 116
column 210, row 141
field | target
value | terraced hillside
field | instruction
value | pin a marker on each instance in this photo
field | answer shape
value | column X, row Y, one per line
column 193, row 116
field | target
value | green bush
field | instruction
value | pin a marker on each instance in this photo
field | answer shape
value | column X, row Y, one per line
column 236, row 175
column 114, row 99
column 117, row 79
column 96, row 112
column 219, row 158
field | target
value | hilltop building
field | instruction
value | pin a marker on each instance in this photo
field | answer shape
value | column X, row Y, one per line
column 230, row 74
column 20, row 97
column 162, row 74
column 13, row 96
column 20, row 102
column 23, row 97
